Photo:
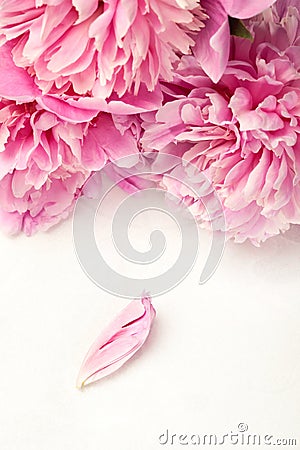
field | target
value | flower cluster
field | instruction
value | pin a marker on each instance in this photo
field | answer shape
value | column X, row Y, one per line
column 242, row 132
column 216, row 82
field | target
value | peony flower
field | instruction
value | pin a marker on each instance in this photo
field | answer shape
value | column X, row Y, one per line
column 115, row 45
column 41, row 172
column 118, row 342
column 213, row 42
column 99, row 46
column 49, row 147
column 45, row 161
column 242, row 132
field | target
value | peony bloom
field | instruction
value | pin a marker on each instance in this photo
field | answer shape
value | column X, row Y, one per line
column 117, row 46
column 118, row 342
column 49, row 147
column 45, row 160
column 41, row 169
column 99, row 46
column 243, row 132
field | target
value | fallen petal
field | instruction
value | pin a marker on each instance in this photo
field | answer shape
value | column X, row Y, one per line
column 123, row 337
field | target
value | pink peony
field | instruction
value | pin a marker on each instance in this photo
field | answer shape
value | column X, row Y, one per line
column 100, row 46
column 118, row 45
column 243, row 132
column 49, row 147
column 40, row 172
column 45, row 161
column 41, row 169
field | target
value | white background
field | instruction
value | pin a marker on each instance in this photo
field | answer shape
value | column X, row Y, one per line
column 219, row 354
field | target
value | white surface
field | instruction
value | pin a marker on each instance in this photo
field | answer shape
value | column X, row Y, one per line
column 219, row 354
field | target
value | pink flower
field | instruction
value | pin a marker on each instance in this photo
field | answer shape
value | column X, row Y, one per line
column 243, row 132
column 49, row 147
column 118, row 342
column 100, row 46
column 40, row 169
column 45, row 160
column 213, row 42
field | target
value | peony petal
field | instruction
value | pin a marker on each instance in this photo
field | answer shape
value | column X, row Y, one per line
column 85, row 8
column 15, row 83
column 212, row 43
column 74, row 113
column 118, row 342
column 242, row 9
column 11, row 223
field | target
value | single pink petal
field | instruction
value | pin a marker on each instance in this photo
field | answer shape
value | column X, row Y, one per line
column 11, row 223
column 85, row 8
column 212, row 43
column 75, row 112
column 15, row 83
column 118, row 342
column 243, row 9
